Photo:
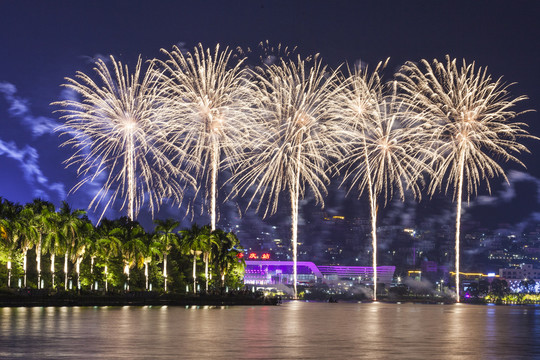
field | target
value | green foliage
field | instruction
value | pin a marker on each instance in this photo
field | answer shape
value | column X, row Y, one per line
column 4, row 253
column 112, row 245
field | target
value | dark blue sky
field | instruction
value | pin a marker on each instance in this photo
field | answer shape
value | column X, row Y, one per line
column 41, row 42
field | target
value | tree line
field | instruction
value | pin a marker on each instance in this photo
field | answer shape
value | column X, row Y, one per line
column 69, row 252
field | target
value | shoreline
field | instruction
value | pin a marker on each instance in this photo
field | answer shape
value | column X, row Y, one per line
column 47, row 298
column 38, row 298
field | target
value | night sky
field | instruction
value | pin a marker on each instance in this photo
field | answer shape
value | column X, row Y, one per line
column 42, row 42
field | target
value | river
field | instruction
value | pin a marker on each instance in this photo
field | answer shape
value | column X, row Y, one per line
column 293, row 330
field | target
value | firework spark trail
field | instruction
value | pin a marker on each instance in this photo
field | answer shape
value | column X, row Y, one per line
column 468, row 115
column 269, row 54
column 295, row 149
column 114, row 131
column 383, row 152
column 209, row 103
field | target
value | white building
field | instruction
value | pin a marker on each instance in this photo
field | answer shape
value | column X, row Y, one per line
column 514, row 276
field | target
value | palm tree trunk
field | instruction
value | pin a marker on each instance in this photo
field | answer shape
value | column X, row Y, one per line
column 66, row 270
column 78, row 264
column 92, row 272
column 52, row 268
column 126, row 271
column 106, row 280
column 146, row 273
column 165, row 271
column 206, row 269
column 24, row 265
column 194, row 273
column 9, row 273
column 38, row 263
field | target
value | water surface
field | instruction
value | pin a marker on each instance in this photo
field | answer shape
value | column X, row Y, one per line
column 294, row 330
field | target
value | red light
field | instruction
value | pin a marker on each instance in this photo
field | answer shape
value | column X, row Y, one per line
column 253, row 256
column 265, row 256
column 240, row 255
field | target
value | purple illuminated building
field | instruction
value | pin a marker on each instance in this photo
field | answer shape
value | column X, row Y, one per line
column 265, row 272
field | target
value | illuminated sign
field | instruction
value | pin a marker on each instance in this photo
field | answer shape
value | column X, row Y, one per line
column 257, row 256
column 240, row 255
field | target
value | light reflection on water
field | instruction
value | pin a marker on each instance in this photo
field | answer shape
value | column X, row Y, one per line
column 294, row 330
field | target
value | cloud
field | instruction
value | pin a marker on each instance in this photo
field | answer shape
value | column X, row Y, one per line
column 19, row 108
column 28, row 160
column 67, row 94
column 485, row 200
column 7, row 89
column 508, row 192
column 400, row 212
column 507, row 196
column 27, row 156
column 515, row 176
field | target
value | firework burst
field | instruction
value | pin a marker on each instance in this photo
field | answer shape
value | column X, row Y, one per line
column 468, row 115
column 294, row 150
column 383, row 149
column 114, row 133
column 210, row 108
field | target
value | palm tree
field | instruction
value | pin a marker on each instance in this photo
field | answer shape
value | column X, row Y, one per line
column 10, row 230
column 38, row 223
column 227, row 248
column 53, row 242
column 93, row 252
column 8, row 240
column 8, row 249
column 165, row 235
column 193, row 242
column 231, row 263
column 84, row 242
column 70, row 225
column 26, row 239
column 131, row 234
column 152, row 248
column 207, row 246
column 108, row 246
column 88, row 243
